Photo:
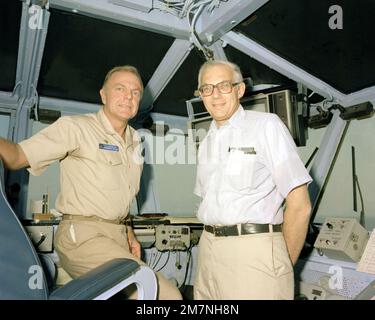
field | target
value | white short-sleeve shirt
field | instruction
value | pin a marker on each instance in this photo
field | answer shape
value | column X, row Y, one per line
column 246, row 168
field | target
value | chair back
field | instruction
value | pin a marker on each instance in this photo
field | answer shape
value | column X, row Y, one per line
column 21, row 273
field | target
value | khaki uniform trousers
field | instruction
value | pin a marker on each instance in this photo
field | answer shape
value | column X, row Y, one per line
column 245, row 267
column 84, row 245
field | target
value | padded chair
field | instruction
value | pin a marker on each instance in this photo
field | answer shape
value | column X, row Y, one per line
column 367, row 293
column 23, row 277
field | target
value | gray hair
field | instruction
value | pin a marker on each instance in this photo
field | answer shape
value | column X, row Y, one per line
column 237, row 75
column 125, row 68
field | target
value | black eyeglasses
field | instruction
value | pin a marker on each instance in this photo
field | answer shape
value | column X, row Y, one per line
column 223, row 87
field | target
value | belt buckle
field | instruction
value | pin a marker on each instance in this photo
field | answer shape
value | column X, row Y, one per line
column 127, row 221
column 219, row 231
column 98, row 218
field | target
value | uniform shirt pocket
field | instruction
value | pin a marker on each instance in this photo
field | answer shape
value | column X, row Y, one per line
column 111, row 158
column 110, row 167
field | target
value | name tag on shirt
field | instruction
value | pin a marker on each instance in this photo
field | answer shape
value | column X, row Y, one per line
column 108, row 147
column 245, row 150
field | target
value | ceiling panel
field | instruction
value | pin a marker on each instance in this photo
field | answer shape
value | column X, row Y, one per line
column 181, row 87
column 80, row 50
column 10, row 18
column 258, row 72
column 299, row 32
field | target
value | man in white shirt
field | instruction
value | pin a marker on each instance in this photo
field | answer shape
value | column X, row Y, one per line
column 247, row 166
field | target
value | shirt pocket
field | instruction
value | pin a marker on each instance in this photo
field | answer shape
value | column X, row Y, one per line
column 110, row 169
column 239, row 171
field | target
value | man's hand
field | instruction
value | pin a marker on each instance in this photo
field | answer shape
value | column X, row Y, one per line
column 134, row 245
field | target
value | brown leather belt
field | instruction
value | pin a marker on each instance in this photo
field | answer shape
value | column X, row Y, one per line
column 244, row 228
column 126, row 220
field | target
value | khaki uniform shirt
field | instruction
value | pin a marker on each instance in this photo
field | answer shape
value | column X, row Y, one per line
column 99, row 171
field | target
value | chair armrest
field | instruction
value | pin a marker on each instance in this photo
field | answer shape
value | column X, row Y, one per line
column 97, row 281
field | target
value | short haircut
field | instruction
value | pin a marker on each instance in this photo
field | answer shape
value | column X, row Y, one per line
column 237, row 75
column 125, row 68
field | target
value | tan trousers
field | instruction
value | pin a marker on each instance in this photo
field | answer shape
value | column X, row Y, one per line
column 246, row 267
column 84, row 245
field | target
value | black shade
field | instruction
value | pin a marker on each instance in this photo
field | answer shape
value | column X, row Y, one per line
column 299, row 32
column 258, row 72
column 80, row 51
column 181, row 87
column 10, row 18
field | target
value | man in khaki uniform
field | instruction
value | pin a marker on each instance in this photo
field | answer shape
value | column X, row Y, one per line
column 101, row 165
